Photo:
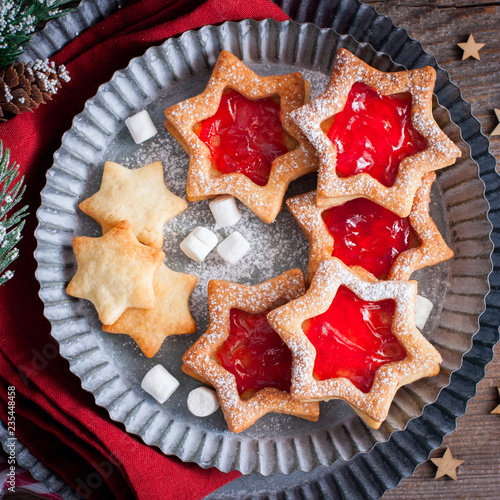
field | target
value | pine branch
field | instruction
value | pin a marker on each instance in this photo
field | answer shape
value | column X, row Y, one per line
column 11, row 223
column 18, row 21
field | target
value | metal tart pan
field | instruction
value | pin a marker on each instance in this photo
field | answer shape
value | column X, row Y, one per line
column 112, row 368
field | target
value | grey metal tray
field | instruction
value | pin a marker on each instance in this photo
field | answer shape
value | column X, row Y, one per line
column 111, row 366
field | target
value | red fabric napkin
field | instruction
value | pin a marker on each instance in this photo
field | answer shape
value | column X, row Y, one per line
column 59, row 421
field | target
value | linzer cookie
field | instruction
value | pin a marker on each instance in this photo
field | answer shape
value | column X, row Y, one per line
column 354, row 339
column 115, row 272
column 170, row 316
column 242, row 357
column 137, row 195
column 364, row 234
column 240, row 138
column 375, row 134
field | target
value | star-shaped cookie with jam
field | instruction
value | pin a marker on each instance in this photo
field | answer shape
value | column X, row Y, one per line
column 242, row 357
column 375, row 134
column 115, row 272
column 354, row 339
column 137, row 195
column 240, row 138
column 363, row 234
column 170, row 316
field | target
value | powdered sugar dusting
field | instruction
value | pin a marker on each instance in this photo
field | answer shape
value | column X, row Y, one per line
column 288, row 320
column 275, row 247
column 440, row 151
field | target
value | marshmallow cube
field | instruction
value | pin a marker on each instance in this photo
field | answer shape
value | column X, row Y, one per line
column 199, row 243
column 233, row 248
column 225, row 211
column 202, row 402
column 159, row 383
column 422, row 311
column 141, row 127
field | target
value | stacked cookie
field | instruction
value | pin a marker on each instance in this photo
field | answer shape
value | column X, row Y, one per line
column 122, row 273
column 352, row 333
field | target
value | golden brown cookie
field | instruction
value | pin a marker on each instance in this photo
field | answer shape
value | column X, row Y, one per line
column 316, row 118
column 171, row 316
column 386, row 260
column 205, row 180
column 115, row 272
column 367, row 342
column 240, row 338
column 137, row 195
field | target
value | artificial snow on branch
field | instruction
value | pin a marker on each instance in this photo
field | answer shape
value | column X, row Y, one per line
column 18, row 21
column 11, row 223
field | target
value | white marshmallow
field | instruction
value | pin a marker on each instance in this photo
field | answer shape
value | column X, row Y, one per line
column 422, row 310
column 233, row 248
column 225, row 211
column 202, row 402
column 199, row 243
column 141, row 127
column 159, row 383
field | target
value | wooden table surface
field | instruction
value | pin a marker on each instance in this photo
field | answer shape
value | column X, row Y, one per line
column 439, row 25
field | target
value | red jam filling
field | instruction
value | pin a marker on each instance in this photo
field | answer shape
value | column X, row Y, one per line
column 368, row 235
column 353, row 339
column 255, row 354
column 245, row 136
column 374, row 133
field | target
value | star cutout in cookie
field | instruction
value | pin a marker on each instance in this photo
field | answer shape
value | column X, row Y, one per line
column 471, row 48
column 421, row 358
column 447, row 465
column 204, row 181
column 497, row 409
column 431, row 249
column 496, row 130
column 115, row 272
column 171, row 315
column 201, row 359
column 123, row 191
column 439, row 152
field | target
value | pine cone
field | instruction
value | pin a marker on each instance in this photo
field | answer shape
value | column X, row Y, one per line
column 24, row 87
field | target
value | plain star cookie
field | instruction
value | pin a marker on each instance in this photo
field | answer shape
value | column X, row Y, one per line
column 240, row 138
column 137, row 195
column 171, row 316
column 354, row 339
column 115, row 272
column 375, row 134
column 242, row 357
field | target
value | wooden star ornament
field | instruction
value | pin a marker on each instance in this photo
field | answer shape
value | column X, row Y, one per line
column 496, row 130
column 123, row 191
column 471, row 48
column 315, row 118
column 497, row 409
column 447, row 465
column 204, row 181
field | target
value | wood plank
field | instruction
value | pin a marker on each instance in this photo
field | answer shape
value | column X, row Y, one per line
column 439, row 26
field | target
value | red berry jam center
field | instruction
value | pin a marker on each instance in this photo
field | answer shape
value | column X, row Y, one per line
column 374, row 133
column 255, row 354
column 245, row 136
column 368, row 235
column 353, row 338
